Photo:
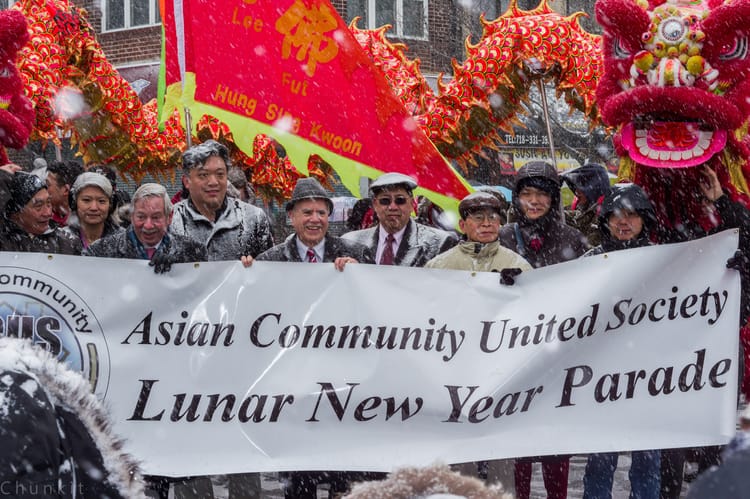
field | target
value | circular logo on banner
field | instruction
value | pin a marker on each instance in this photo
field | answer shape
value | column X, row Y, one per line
column 42, row 309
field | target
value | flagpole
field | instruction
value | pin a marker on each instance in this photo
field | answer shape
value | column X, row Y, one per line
column 188, row 128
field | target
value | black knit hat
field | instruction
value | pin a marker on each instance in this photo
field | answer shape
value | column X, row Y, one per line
column 309, row 188
column 23, row 186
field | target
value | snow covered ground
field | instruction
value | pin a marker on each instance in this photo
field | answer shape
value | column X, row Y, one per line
column 620, row 490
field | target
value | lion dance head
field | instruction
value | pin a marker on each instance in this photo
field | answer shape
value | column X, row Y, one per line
column 676, row 88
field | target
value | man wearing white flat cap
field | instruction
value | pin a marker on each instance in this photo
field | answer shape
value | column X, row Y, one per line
column 398, row 239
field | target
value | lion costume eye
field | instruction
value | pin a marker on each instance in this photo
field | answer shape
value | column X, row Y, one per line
column 619, row 51
column 735, row 50
column 673, row 29
column 5, row 72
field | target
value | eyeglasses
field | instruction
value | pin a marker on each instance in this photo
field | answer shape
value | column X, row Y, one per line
column 399, row 200
column 481, row 217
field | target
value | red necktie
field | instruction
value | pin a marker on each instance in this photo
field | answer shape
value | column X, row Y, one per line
column 150, row 252
column 311, row 256
column 387, row 257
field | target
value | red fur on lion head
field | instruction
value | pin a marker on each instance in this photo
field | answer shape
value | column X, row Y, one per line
column 676, row 86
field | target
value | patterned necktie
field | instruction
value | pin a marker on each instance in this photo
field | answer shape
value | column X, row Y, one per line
column 150, row 252
column 311, row 256
column 387, row 257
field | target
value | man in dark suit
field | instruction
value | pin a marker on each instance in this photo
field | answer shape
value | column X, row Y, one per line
column 308, row 212
column 148, row 237
column 397, row 239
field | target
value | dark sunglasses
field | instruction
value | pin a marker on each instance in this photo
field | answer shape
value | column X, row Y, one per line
column 399, row 200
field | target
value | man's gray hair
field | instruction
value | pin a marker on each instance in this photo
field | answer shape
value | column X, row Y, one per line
column 197, row 155
column 153, row 190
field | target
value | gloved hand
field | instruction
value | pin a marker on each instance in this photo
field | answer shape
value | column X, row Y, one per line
column 508, row 276
column 739, row 261
column 161, row 261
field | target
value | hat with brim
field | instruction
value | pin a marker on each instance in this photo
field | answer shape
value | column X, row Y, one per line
column 23, row 187
column 479, row 201
column 392, row 180
column 309, row 188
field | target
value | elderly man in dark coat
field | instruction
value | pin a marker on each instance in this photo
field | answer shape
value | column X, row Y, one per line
column 147, row 238
column 308, row 211
column 26, row 226
column 398, row 239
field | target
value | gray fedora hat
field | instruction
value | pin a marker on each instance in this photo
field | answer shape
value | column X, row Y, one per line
column 309, row 188
column 392, row 180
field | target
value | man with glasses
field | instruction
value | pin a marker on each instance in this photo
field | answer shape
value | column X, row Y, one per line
column 480, row 250
column 397, row 239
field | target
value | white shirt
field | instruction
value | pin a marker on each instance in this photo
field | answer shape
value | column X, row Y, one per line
column 318, row 249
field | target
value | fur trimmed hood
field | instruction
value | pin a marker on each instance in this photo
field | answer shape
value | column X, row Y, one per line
column 70, row 394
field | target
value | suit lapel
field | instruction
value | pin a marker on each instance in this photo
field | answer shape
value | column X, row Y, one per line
column 290, row 248
column 409, row 249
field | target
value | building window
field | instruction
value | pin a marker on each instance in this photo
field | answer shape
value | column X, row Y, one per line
column 4, row 4
column 408, row 17
column 124, row 14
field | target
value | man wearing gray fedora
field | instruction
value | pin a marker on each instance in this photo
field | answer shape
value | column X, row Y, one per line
column 398, row 239
column 308, row 212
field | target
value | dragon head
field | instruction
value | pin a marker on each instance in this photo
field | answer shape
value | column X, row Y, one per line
column 676, row 80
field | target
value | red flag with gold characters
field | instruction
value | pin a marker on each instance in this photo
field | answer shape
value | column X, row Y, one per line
column 292, row 70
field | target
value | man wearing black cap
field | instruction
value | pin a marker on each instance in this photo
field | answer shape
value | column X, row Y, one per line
column 480, row 251
column 397, row 239
column 26, row 224
column 308, row 212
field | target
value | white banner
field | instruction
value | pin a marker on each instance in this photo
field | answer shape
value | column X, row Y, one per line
column 213, row 368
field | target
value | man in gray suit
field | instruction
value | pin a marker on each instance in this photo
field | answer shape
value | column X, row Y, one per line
column 397, row 239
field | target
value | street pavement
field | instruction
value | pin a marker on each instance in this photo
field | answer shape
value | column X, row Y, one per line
column 620, row 489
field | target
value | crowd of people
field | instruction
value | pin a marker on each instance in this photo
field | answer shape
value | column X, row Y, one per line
column 79, row 211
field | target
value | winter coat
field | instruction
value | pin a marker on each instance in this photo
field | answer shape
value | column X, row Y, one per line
column 559, row 242
column 5, row 178
column 546, row 240
column 55, row 435
column 240, row 229
column 73, row 229
column 123, row 244
column 419, row 244
column 334, row 247
column 469, row 255
column 14, row 238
